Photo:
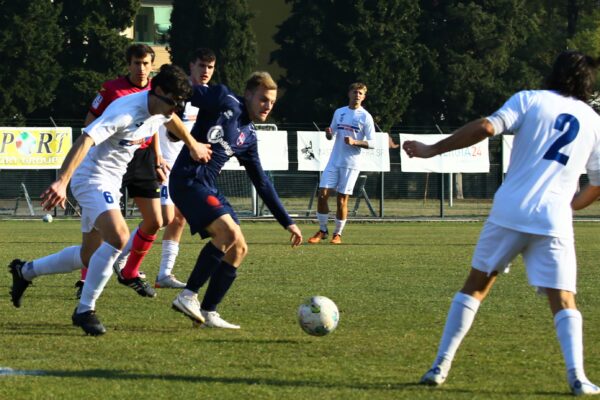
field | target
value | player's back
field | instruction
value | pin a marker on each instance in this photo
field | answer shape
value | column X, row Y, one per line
column 554, row 138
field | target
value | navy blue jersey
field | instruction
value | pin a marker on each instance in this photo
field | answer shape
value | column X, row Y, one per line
column 223, row 122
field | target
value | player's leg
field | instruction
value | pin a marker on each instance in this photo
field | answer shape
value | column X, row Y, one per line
column 328, row 181
column 224, row 233
column 112, row 228
column 170, row 250
column 220, row 282
column 495, row 249
column 345, row 185
column 551, row 267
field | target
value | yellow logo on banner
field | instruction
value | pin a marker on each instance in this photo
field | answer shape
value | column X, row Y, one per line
column 34, row 148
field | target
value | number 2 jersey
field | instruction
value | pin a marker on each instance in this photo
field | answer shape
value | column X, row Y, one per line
column 556, row 139
column 223, row 122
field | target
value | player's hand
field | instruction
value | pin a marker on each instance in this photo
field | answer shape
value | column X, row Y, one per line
column 162, row 171
column 328, row 133
column 418, row 149
column 54, row 195
column 296, row 238
column 201, row 152
column 349, row 140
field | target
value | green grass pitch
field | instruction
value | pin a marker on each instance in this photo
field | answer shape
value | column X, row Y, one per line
column 392, row 282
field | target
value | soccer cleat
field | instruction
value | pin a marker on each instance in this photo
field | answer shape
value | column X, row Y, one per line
column 214, row 320
column 79, row 286
column 189, row 306
column 317, row 237
column 579, row 388
column 89, row 322
column 19, row 284
column 169, row 282
column 336, row 239
column 139, row 285
column 433, row 377
column 119, row 264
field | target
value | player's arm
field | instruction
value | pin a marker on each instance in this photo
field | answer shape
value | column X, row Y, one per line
column 200, row 152
column 368, row 130
column 585, row 197
column 159, row 163
column 89, row 118
column 266, row 191
column 465, row 136
column 56, row 193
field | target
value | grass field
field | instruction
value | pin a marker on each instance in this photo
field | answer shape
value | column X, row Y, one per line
column 392, row 282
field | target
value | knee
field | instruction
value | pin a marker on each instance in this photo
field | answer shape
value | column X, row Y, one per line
column 241, row 250
column 152, row 225
column 178, row 221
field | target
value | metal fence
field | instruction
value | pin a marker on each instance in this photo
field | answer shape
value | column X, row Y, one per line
column 390, row 195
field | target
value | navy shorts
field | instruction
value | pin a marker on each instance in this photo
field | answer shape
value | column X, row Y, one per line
column 199, row 203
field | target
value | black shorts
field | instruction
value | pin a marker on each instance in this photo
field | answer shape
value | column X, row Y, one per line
column 140, row 178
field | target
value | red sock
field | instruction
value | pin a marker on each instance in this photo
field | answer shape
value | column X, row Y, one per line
column 83, row 273
column 142, row 242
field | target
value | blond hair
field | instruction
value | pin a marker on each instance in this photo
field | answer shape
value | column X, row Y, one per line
column 260, row 78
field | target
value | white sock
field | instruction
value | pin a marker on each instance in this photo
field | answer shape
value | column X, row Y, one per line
column 66, row 260
column 569, row 329
column 339, row 226
column 460, row 318
column 127, row 249
column 170, row 249
column 99, row 272
column 323, row 221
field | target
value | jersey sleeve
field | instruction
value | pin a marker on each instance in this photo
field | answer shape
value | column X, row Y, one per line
column 107, row 125
column 509, row 117
column 333, row 125
column 105, row 96
column 369, row 130
column 250, row 161
column 593, row 167
column 214, row 98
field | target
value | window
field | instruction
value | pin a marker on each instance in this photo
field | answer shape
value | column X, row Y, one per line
column 152, row 24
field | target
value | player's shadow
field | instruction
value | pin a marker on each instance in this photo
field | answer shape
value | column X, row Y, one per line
column 388, row 387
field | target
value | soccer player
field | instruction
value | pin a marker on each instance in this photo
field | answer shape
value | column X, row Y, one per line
column 141, row 178
column 353, row 129
column 556, row 135
column 226, row 122
column 96, row 163
column 202, row 66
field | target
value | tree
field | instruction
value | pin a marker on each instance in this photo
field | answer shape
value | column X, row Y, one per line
column 325, row 46
column 224, row 27
column 93, row 50
column 473, row 63
column 29, row 39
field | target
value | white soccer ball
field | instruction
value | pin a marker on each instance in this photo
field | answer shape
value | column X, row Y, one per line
column 318, row 316
column 47, row 218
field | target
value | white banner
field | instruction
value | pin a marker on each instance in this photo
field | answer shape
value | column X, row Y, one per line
column 470, row 159
column 272, row 150
column 314, row 151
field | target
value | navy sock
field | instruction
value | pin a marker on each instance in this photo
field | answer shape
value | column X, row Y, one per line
column 218, row 286
column 208, row 261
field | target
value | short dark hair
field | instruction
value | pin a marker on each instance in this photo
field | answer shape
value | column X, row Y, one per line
column 204, row 54
column 138, row 50
column 172, row 79
column 573, row 74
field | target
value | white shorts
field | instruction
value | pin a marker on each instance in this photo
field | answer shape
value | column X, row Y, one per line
column 340, row 179
column 94, row 198
column 550, row 261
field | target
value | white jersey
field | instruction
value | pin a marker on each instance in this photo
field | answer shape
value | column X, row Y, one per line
column 118, row 133
column 556, row 138
column 170, row 149
column 357, row 124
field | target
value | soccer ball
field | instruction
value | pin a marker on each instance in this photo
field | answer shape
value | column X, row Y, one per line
column 318, row 316
column 47, row 218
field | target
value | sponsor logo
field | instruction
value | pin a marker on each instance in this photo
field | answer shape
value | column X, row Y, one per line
column 216, row 135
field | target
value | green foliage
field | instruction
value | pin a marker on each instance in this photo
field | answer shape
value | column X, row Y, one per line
column 93, row 50
column 393, row 284
column 222, row 26
column 30, row 37
column 325, row 46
